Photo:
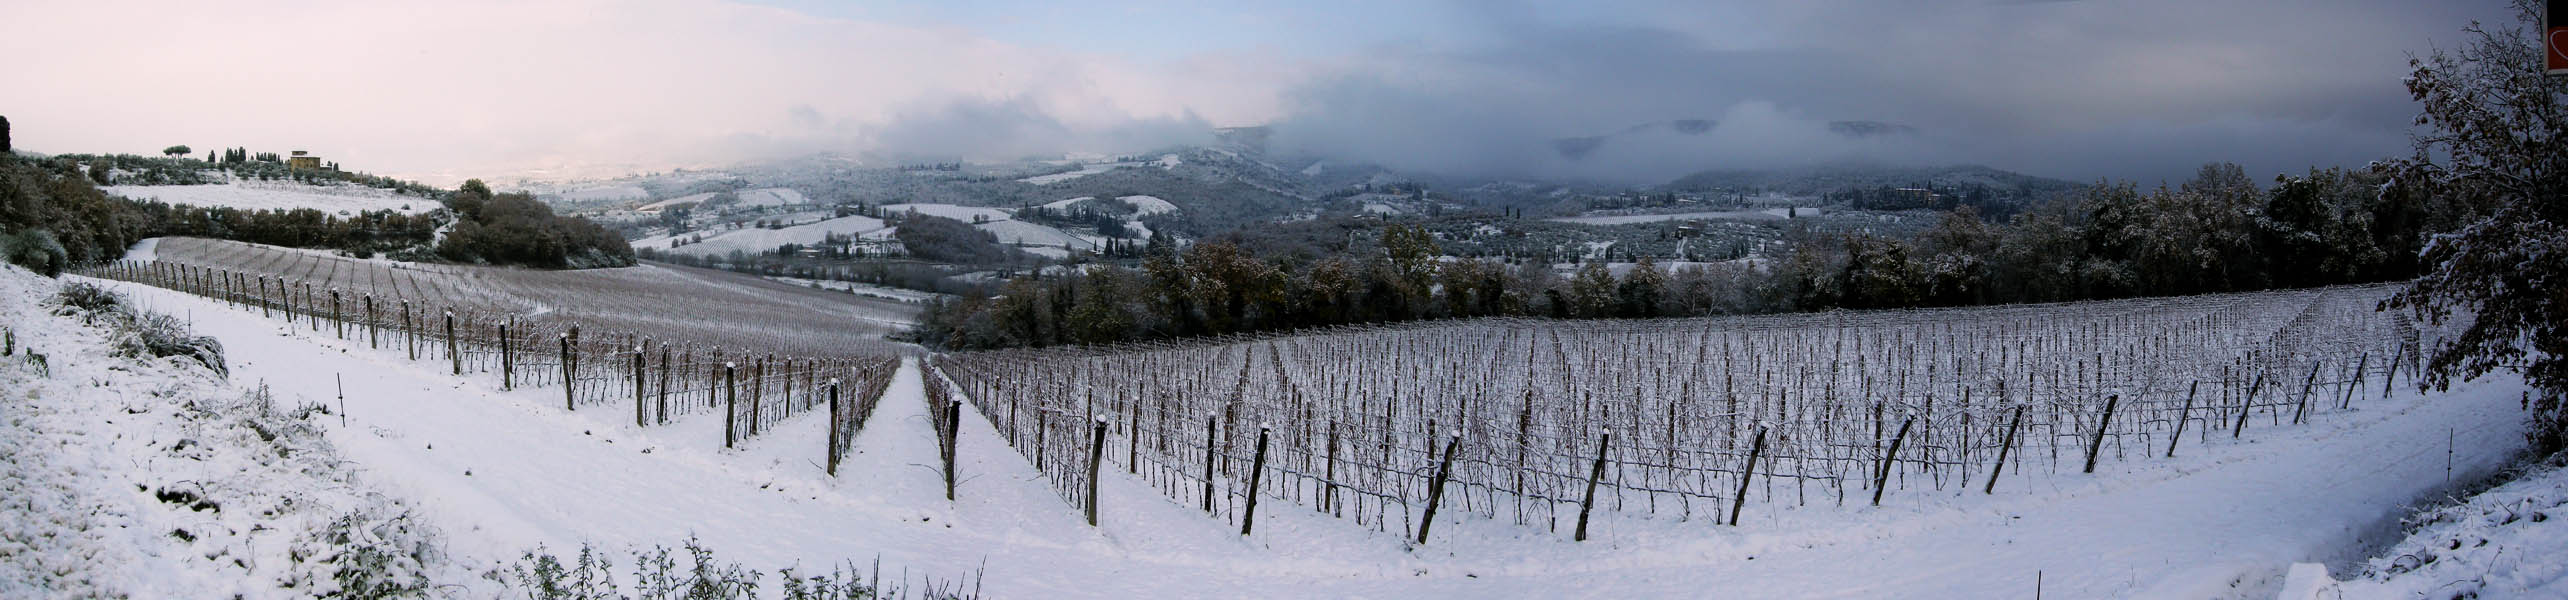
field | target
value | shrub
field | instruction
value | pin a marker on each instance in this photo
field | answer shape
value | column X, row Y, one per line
column 88, row 297
column 158, row 335
column 35, row 249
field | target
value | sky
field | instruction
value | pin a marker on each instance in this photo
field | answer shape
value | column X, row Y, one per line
column 2083, row 90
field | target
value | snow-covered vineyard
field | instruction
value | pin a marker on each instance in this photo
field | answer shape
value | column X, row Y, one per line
column 2150, row 448
column 1542, row 423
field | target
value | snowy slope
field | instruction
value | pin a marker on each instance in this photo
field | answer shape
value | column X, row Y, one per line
column 2223, row 518
column 754, row 239
column 950, row 211
column 279, row 195
column 2506, row 542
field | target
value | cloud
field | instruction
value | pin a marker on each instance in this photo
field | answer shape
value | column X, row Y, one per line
column 449, row 90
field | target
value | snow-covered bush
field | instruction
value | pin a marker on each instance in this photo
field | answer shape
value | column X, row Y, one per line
column 657, row 575
column 35, row 249
column 88, row 297
column 158, row 335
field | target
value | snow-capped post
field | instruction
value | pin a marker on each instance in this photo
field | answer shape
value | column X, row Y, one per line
column 2247, row 406
column 1096, row 455
column 507, row 362
column 641, row 417
column 2004, row 446
column 409, row 332
column 2180, row 418
column 2096, row 444
column 264, row 303
column 1209, row 448
column 2301, row 408
column 833, row 428
column 1132, row 442
column 567, row 398
column 1881, row 477
column 1747, row 472
column 1256, row 475
column 451, row 355
column 286, row 295
column 730, row 403
column 1435, row 487
column 1586, row 503
column 373, row 341
column 315, row 321
column 337, row 324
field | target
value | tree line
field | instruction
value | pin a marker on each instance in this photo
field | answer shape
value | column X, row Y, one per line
column 2218, row 232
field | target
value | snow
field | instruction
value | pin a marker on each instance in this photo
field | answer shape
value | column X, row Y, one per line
column 1766, row 214
column 280, row 195
column 758, row 239
column 862, row 289
column 155, row 478
column 1021, row 232
column 691, row 199
column 1148, row 205
column 950, row 211
column 2501, row 543
column 2223, row 518
column 601, row 193
column 1084, row 171
column 1063, row 204
column 771, row 197
column 1315, row 169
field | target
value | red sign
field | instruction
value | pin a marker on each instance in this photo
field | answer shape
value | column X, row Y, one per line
column 2554, row 37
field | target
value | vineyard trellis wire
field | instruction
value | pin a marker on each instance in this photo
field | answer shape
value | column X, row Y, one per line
column 1672, row 409
column 661, row 379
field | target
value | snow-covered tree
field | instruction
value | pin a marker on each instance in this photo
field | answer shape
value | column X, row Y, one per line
column 2490, row 142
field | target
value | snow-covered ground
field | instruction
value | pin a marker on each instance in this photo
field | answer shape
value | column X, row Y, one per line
column 499, row 472
column 1768, row 214
column 280, row 195
column 1147, row 205
column 132, row 476
column 759, row 239
column 862, row 289
column 2507, row 542
column 596, row 193
column 748, row 198
column 951, row 211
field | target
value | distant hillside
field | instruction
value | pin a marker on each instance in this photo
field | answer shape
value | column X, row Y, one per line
column 1824, row 180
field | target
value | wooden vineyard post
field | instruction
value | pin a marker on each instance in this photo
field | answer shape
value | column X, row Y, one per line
column 2247, row 406
column 663, row 408
column 2003, row 447
column 1739, row 501
column 1328, row 474
column 451, row 355
column 1435, row 486
column 1132, row 443
column 953, row 437
column 2361, row 365
column 1588, row 502
column 2096, row 444
column 409, row 332
column 1256, row 474
column 264, row 305
column 1881, row 477
column 730, row 403
column 567, row 375
column 642, row 417
column 2389, row 382
column 833, row 428
column 507, row 362
column 757, row 391
column 287, row 293
column 1096, row 455
column 1209, row 448
column 2180, row 418
column 2302, row 407
column 374, row 340
column 338, row 325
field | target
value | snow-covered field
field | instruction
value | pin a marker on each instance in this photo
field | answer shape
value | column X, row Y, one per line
column 1148, row 205
column 951, row 211
column 757, row 239
column 1769, row 214
column 861, row 289
column 280, row 195
column 2506, row 542
column 500, row 472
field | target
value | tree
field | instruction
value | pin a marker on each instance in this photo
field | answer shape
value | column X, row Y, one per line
column 2491, row 133
column 4, row 136
column 177, row 151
